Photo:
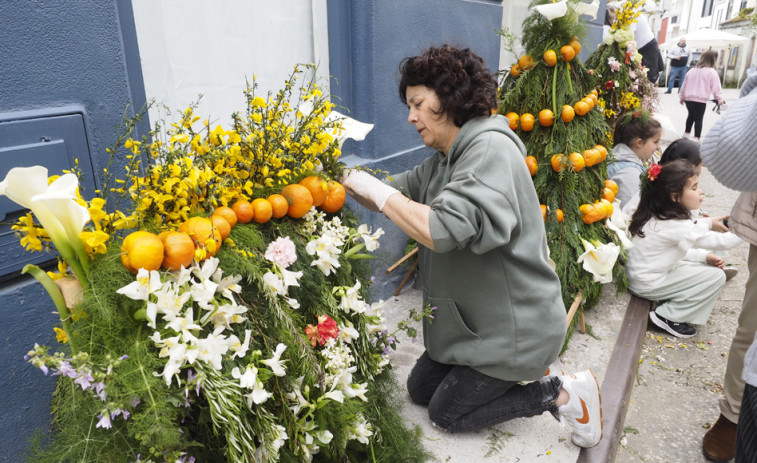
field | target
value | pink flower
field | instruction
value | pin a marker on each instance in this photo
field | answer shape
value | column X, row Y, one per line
column 613, row 63
column 282, row 252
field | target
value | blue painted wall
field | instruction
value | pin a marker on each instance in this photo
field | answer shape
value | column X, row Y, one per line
column 367, row 41
column 56, row 55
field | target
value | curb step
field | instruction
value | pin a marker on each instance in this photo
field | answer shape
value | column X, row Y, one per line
column 618, row 381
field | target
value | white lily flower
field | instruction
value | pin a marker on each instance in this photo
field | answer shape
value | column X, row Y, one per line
column 361, row 430
column 53, row 205
column 206, row 270
column 212, row 348
column 247, row 379
column 274, row 283
column 239, row 348
column 293, row 303
column 275, row 363
column 146, row 283
column 185, row 324
column 290, row 278
column 335, row 395
column 357, row 390
column 279, row 436
column 618, row 222
column 552, row 10
column 370, row 239
column 258, row 394
column 349, row 127
column 324, row 436
column 599, row 260
column 348, row 333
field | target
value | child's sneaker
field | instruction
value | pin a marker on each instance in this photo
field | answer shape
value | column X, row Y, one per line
column 730, row 272
column 584, row 408
column 677, row 329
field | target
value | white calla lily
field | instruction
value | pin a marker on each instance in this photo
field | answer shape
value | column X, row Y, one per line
column 350, row 128
column 553, row 10
column 618, row 222
column 599, row 260
column 55, row 208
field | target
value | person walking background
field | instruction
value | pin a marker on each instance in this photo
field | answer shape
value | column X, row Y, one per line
column 679, row 63
column 473, row 210
column 729, row 156
column 699, row 83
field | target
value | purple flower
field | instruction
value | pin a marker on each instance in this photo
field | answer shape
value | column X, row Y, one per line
column 84, row 380
column 65, row 369
column 104, row 422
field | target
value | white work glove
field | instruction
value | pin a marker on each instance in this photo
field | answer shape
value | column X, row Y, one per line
column 369, row 191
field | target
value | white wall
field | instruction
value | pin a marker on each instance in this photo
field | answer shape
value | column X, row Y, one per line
column 192, row 47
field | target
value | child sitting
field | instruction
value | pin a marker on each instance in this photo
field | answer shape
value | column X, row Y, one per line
column 668, row 261
column 637, row 137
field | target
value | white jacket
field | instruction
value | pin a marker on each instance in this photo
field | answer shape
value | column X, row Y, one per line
column 666, row 242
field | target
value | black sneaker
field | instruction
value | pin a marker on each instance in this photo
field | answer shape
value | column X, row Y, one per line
column 668, row 91
column 679, row 330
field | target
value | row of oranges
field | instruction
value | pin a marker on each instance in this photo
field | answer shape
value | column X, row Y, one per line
column 200, row 237
column 590, row 213
column 547, row 117
column 575, row 162
column 567, row 53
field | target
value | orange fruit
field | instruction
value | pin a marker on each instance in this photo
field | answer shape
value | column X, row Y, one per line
column 526, row 62
column 263, row 210
column 592, row 157
column 178, row 250
column 558, row 162
column 594, row 92
column 559, row 215
column 550, row 57
column 612, row 186
column 567, row 52
column 546, row 117
column 607, row 206
column 543, row 211
column 577, row 162
column 243, row 210
column 590, row 213
column 223, row 225
column 594, row 98
column 141, row 249
column 299, row 198
column 227, row 213
column 568, row 113
column 513, row 118
column 515, row 70
column 527, row 122
column 533, row 166
column 334, row 198
column 581, row 108
column 608, row 194
column 575, row 45
column 589, row 102
column 203, row 233
column 602, row 150
column 279, row 205
column 317, row 187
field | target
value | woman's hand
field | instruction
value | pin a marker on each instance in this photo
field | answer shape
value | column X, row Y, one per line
column 367, row 189
column 715, row 261
column 719, row 224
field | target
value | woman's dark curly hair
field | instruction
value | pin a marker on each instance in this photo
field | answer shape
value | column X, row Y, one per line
column 657, row 196
column 465, row 88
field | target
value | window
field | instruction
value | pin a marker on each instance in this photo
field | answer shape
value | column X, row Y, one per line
column 707, row 8
column 729, row 10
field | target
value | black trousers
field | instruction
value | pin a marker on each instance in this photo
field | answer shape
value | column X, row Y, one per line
column 746, row 433
column 695, row 117
column 460, row 398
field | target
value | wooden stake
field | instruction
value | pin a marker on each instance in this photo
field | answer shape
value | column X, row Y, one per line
column 399, row 262
column 407, row 277
column 574, row 308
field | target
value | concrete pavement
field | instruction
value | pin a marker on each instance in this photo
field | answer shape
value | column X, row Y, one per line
column 673, row 401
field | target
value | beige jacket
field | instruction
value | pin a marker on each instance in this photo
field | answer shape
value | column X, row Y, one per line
column 743, row 221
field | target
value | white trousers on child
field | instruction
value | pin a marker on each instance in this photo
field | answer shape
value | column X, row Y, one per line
column 688, row 293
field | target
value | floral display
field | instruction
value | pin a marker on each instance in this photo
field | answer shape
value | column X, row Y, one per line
column 209, row 321
column 616, row 66
column 553, row 106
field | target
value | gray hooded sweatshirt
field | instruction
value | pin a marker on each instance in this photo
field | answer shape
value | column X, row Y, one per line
column 499, row 307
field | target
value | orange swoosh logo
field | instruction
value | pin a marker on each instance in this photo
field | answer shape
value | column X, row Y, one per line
column 585, row 418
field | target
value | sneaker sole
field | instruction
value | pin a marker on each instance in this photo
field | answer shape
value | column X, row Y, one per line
column 601, row 417
column 664, row 326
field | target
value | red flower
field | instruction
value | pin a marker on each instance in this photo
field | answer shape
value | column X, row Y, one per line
column 609, row 85
column 325, row 330
column 653, row 172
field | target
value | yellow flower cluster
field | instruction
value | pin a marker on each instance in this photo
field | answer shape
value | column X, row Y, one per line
column 627, row 14
column 629, row 101
column 271, row 145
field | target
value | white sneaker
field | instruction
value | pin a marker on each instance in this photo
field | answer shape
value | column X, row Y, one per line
column 584, row 408
column 730, row 272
